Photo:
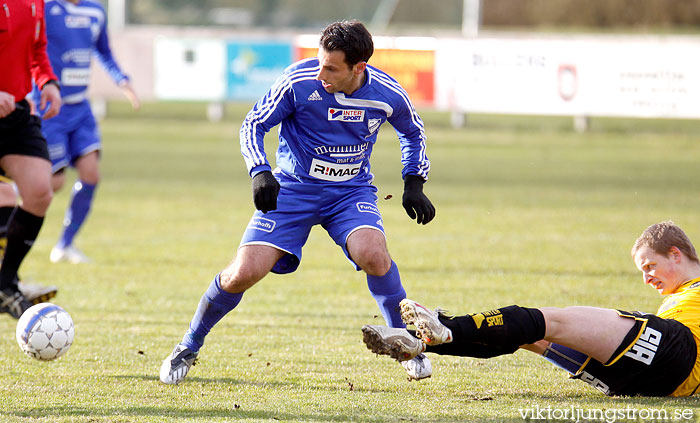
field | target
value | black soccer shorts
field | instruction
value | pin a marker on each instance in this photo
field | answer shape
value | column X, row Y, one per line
column 654, row 358
column 20, row 133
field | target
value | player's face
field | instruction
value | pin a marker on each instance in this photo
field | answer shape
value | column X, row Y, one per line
column 336, row 75
column 660, row 271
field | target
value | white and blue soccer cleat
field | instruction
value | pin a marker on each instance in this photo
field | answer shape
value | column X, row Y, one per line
column 70, row 254
column 177, row 364
column 418, row 367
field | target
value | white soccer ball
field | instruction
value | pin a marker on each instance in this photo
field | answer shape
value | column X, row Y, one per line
column 45, row 331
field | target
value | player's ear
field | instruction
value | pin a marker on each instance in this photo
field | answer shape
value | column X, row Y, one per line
column 674, row 254
column 359, row 68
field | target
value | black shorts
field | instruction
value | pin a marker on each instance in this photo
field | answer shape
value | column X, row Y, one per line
column 655, row 357
column 20, row 133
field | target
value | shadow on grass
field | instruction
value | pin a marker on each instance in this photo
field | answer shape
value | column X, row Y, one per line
column 237, row 414
column 196, row 379
column 177, row 414
column 337, row 385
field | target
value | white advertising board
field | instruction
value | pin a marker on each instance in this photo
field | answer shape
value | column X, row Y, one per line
column 616, row 76
column 189, row 69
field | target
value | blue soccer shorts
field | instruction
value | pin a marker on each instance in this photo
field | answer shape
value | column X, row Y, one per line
column 71, row 134
column 300, row 206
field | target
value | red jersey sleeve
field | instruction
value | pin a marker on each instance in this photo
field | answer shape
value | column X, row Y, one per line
column 41, row 66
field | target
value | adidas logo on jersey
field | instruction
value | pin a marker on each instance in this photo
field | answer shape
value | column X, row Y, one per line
column 315, row 96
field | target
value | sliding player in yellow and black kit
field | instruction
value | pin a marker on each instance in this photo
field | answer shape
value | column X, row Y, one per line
column 617, row 352
column 678, row 362
column 684, row 306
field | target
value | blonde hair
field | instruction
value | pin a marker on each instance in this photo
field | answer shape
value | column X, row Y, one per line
column 660, row 237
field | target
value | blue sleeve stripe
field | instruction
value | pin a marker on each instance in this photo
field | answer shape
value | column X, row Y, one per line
column 282, row 85
column 248, row 131
column 424, row 166
column 264, row 109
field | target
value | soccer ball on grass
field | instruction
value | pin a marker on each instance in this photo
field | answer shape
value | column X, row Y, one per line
column 45, row 331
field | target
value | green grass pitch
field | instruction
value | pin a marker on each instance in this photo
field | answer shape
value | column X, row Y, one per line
column 528, row 212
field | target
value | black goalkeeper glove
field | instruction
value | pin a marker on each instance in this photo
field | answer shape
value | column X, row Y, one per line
column 265, row 190
column 417, row 205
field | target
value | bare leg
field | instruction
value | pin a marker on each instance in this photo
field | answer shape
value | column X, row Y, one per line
column 88, row 167
column 251, row 264
column 32, row 175
column 596, row 332
column 367, row 247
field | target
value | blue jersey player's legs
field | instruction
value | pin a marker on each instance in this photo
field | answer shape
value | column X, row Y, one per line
column 82, row 195
column 81, row 150
column 354, row 221
column 367, row 247
column 272, row 242
column 251, row 264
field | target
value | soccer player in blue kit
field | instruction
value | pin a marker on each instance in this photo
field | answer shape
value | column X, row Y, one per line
column 329, row 109
column 76, row 30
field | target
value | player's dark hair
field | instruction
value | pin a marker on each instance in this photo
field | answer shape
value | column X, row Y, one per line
column 350, row 37
column 660, row 237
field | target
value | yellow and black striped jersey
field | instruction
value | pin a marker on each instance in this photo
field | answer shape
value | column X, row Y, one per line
column 684, row 307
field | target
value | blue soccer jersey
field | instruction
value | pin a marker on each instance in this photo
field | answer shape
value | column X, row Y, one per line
column 75, row 32
column 328, row 138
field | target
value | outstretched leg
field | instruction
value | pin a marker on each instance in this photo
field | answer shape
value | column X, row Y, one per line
column 593, row 331
column 251, row 264
column 482, row 335
column 596, row 332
